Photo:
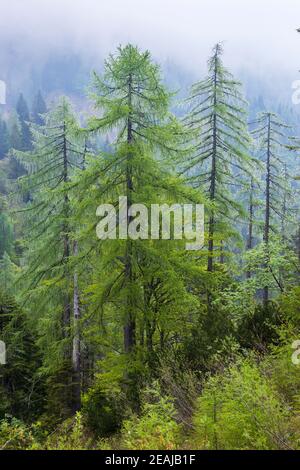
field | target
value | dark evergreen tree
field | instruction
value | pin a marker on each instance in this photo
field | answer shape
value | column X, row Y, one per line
column 39, row 108
column 6, row 230
column 16, row 169
column 24, row 118
column 21, row 387
column 49, row 272
column 4, row 139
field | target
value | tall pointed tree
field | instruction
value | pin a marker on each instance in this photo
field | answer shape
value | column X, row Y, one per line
column 55, row 156
column 39, row 108
column 220, row 158
column 24, row 118
column 271, row 134
column 4, row 138
column 134, row 279
column 6, row 229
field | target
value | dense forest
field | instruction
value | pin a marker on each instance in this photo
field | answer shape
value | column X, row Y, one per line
column 139, row 343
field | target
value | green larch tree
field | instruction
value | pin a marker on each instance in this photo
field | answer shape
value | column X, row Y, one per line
column 133, row 281
column 221, row 151
column 49, row 274
column 272, row 142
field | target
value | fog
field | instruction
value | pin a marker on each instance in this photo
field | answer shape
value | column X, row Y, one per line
column 259, row 35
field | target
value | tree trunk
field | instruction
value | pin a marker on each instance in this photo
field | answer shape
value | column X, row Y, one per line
column 212, row 190
column 76, row 354
column 267, row 209
column 284, row 208
column 129, row 327
column 222, row 256
column 250, row 226
column 66, row 241
column 298, row 247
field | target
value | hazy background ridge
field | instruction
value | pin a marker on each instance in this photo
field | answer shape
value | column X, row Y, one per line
column 54, row 44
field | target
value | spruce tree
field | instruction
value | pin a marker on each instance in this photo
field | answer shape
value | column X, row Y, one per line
column 24, row 118
column 39, row 108
column 4, row 139
column 16, row 169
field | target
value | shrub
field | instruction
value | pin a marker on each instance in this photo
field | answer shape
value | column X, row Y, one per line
column 15, row 435
column 71, row 435
column 156, row 427
column 103, row 407
column 241, row 410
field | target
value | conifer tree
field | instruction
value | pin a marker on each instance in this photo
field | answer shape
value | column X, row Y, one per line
column 4, row 139
column 220, row 158
column 16, row 169
column 21, row 387
column 24, row 117
column 39, row 108
column 253, row 202
column 6, row 230
column 55, row 156
column 134, row 279
column 271, row 134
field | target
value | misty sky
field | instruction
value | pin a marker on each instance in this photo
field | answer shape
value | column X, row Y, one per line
column 261, row 44
column 258, row 33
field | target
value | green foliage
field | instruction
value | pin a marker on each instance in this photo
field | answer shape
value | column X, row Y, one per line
column 6, row 230
column 21, row 387
column 47, row 278
column 23, row 114
column 284, row 373
column 259, row 329
column 4, row 138
column 71, row 435
column 39, row 108
column 290, row 305
column 140, row 285
column 104, row 406
column 155, row 428
column 241, row 410
column 15, row 435
column 220, row 159
column 104, row 321
column 8, row 274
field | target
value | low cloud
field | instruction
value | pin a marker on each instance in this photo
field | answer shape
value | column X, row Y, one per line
column 257, row 33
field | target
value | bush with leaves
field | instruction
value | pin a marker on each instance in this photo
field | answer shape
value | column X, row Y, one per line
column 156, row 428
column 71, row 435
column 104, row 405
column 241, row 410
column 15, row 435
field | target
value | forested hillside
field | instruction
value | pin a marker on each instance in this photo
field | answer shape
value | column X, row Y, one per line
column 138, row 342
